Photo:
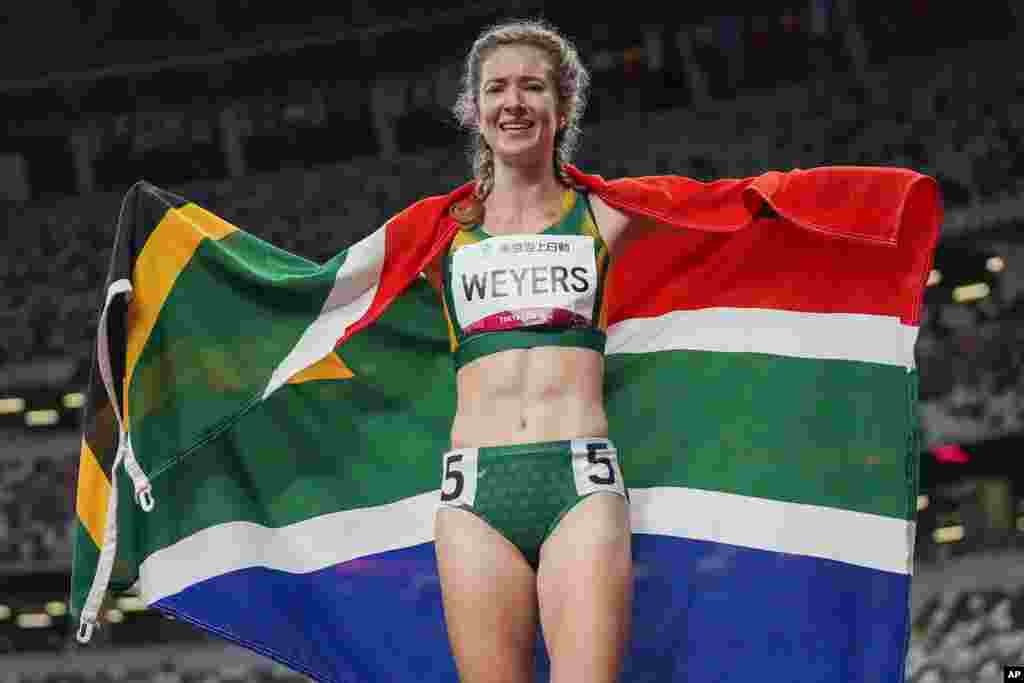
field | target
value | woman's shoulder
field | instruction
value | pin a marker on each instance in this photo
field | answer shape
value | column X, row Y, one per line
column 611, row 222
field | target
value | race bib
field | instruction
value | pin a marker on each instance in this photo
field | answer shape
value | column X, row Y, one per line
column 512, row 281
column 595, row 466
column 459, row 477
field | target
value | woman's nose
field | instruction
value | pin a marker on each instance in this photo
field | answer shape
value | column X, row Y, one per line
column 515, row 109
column 514, row 98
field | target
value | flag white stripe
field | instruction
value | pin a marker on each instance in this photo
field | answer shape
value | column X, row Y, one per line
column 355, row 287
column 848, row 536
column 302, row 547
column 856, row 538
column 830, row 336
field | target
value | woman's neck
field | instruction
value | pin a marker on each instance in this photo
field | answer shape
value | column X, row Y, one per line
column 520, row 195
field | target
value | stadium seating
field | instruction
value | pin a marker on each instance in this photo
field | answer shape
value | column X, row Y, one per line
column 967, row 636
column 52, row 275
column 50, row 279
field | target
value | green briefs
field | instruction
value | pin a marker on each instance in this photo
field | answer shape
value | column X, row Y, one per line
column 523, row 491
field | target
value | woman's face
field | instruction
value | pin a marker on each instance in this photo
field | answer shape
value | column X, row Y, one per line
column 519, row 104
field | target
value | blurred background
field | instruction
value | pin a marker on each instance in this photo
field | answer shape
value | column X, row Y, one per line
column 310, row 129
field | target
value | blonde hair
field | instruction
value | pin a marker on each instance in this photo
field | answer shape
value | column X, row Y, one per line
column 572, row 81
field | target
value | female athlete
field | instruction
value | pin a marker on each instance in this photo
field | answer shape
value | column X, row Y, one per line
column 533, row 525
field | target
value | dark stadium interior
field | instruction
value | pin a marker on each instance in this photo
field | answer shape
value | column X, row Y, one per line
column 312, row 128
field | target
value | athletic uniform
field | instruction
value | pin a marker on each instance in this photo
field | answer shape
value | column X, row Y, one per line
column 518, row 292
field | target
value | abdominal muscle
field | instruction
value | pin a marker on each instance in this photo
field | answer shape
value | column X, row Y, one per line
column 527, row 395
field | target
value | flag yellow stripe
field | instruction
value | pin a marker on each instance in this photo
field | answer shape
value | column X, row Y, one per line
column 602, row 318
column 568, row 201
column 602, row 268
column 93, row 494
column 330, row 366
column 452, row 339
column 165, row 254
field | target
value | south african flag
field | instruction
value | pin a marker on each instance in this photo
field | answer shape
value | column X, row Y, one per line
column 261, row 457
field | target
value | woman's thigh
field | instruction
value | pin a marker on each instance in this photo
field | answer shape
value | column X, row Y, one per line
column 585, row 588
column 490, row 600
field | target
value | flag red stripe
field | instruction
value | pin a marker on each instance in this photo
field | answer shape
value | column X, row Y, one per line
column 776, row 264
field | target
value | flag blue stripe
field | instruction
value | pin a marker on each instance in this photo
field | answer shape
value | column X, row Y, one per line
column 702, row 611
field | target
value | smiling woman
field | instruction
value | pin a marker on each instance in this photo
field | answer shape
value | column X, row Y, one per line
column 523, row 286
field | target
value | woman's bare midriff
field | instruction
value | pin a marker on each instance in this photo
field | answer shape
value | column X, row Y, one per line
column 549, row 393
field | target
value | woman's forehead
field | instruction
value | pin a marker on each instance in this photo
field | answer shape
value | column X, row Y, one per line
column 513, row 61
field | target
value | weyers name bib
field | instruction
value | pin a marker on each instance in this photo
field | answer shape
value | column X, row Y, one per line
column 513, row 281
column 537, row 290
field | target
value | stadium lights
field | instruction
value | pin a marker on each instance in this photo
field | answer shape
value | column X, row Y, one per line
column 922, row 502
column 42, row 418
column 9, row 406
column 34, row 620
column 131, row 604
column 934, row 278
column 973, row 292
column 56, row 608
column 5, row 612
column 948, row 534
column 74, row 400
column 995, row 264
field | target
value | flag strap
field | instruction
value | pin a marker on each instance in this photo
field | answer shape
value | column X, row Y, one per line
column 143, row 489
column 126, row 457
column 105, row 565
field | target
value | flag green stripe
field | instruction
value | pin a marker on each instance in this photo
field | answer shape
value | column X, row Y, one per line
column 345, row 448
column 239, row 297
column 85, row 554
column 357, row 451
column 691, row 417
column 364, row 441
column 374, row 439
column 408, row 343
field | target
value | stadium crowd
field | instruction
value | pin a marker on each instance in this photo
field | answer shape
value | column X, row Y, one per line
column 962, row 123
column 51, row 275
column 36, row 508
column 967, row 636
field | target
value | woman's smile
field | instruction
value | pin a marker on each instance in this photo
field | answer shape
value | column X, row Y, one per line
column 517, row 127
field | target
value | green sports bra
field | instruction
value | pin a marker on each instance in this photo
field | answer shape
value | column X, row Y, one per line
column 527, row 290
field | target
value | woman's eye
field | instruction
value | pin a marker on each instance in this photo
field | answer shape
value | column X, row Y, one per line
column 532, row 86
